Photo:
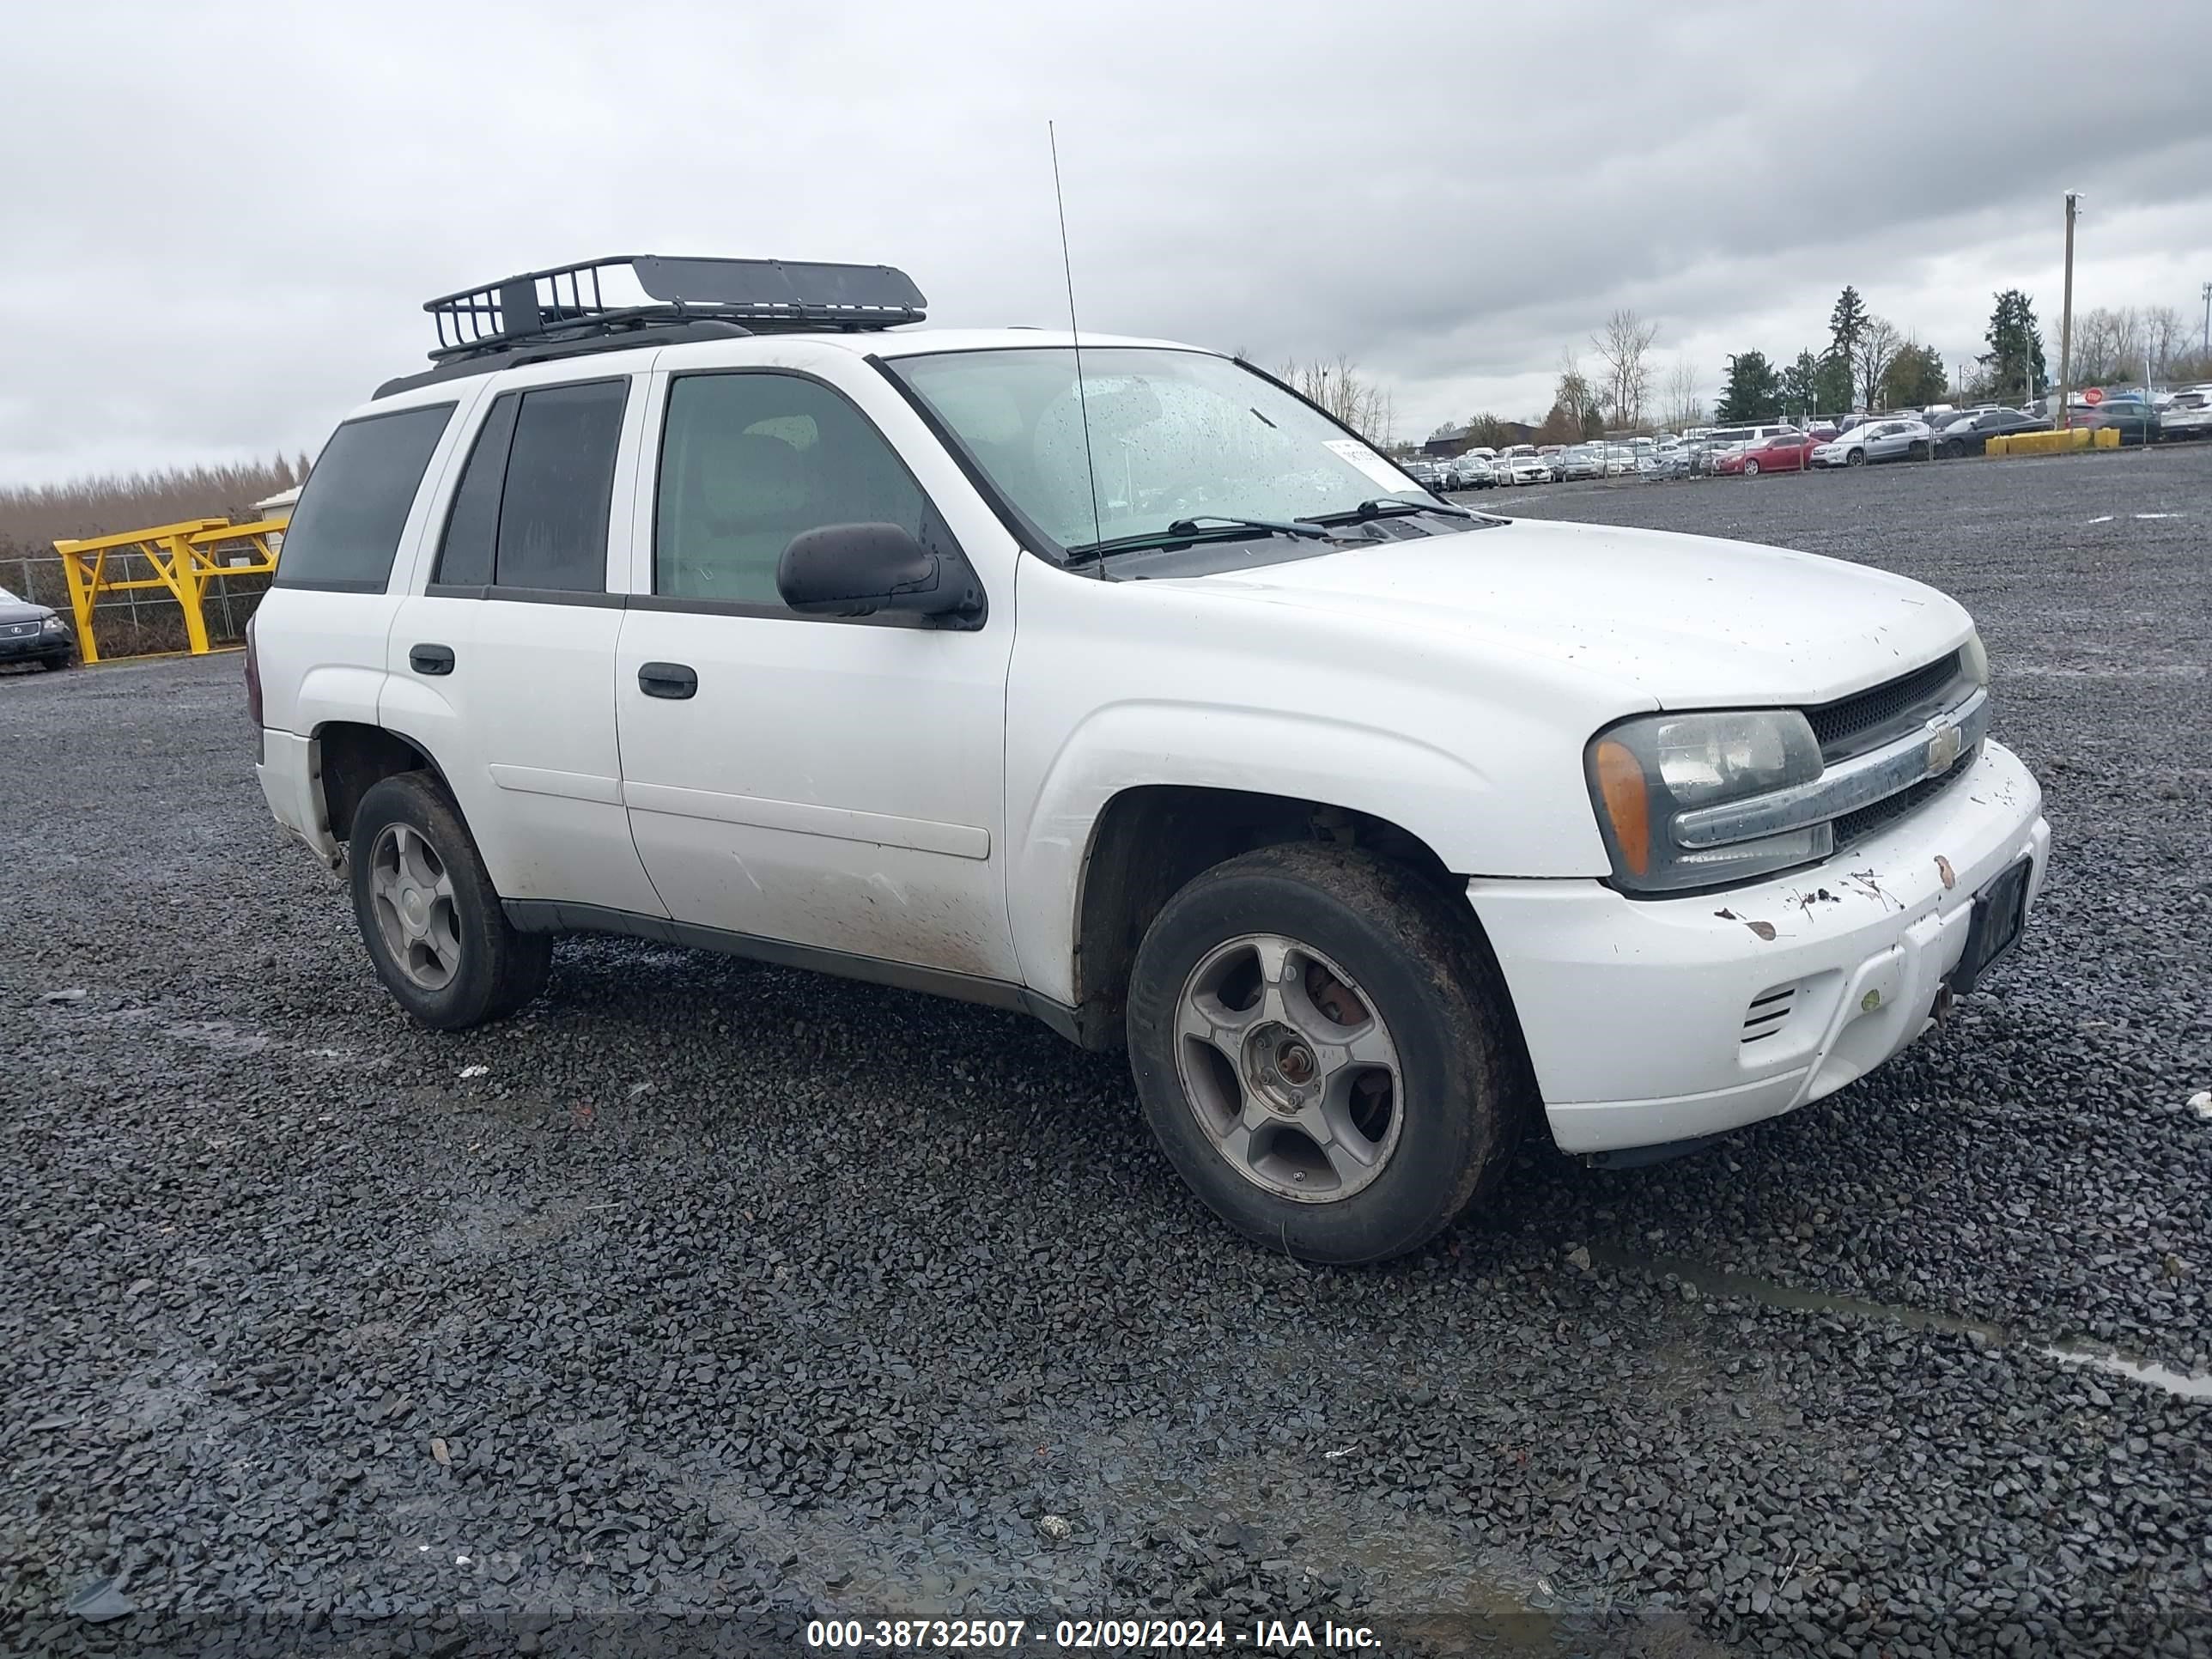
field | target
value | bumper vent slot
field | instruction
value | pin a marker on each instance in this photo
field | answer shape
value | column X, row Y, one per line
column 1769, row 1012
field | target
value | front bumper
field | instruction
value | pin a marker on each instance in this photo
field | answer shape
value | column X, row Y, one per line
column 1639, row 1014
column 36, row 647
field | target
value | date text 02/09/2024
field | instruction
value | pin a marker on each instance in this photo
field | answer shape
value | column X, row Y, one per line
column 1087, row 1635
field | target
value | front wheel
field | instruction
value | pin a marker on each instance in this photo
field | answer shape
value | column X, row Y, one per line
column 429, row 915
column 1856, row 458
column 1325, row 1052
column 1751, row 469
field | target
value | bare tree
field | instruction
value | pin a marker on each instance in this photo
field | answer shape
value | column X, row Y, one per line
column 1872, row 354
column 1366, row 406
column 2166, row 337
column 1623, row 345
column 1683, row 405
column 1576, row 395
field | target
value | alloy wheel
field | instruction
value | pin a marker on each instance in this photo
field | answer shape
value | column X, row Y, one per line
column 1289, row 1068
column 413, row 893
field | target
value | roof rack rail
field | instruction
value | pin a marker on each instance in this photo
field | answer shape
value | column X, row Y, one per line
column 571, row 302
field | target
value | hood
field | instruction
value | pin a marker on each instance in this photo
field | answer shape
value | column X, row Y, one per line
column 20, row 610
column 1676, row 621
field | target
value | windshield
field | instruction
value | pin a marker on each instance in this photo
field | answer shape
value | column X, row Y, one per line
column 1174, row 436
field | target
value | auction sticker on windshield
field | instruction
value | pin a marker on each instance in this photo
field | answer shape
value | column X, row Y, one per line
column 1369, row 462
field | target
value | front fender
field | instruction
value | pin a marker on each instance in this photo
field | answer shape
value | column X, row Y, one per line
column 1471, row 816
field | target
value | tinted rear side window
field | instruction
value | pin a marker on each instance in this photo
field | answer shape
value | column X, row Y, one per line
column 346, row 528
column 473, row 525
column 560, row 486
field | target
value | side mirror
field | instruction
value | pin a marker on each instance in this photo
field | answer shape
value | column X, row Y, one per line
column 858, row 569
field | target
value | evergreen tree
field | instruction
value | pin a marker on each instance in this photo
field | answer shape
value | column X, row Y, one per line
column 1915, row 378
column 2015, row 359
column 1846, row 322
column 1801, row 385
column 1832, row 393
column 1753, row 392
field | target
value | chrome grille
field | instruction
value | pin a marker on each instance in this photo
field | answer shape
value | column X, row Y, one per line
column 1866, row 720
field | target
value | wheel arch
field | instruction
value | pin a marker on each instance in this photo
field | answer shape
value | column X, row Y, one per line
column 1151, row 840
column 352, row 756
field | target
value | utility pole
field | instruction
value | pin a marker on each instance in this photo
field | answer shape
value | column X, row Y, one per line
column 2208, row 321
column 2065, row 421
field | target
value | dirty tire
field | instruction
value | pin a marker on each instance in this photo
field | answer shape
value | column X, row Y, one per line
column 1463, row 1093
column 500, row 967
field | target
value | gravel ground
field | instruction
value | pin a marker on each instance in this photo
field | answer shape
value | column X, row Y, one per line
column 706, row 1298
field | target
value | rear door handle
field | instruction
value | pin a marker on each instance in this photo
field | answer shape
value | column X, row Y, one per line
column 431, row 659
column 667, row 679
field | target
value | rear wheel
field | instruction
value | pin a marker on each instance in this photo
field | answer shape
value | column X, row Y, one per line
column 428, row 913
column 1325, row 1052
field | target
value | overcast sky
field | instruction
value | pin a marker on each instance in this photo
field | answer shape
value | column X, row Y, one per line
column 224, row 218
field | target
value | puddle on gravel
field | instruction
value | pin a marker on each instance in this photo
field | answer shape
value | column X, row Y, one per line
column 2181, row 1383
column 1773, row 1293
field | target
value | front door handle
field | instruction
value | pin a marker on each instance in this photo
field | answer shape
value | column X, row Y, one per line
column 431, row 659
column 667, row 679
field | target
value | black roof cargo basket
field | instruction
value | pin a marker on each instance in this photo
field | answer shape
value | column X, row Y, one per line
column 641, row 299
column 760, row 295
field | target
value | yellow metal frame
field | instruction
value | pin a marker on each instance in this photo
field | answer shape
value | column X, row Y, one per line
column 187, row 556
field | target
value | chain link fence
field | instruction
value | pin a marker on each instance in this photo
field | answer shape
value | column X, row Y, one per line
column 142, row 621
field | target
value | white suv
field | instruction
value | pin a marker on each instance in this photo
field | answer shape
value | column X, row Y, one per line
column 1135, row 693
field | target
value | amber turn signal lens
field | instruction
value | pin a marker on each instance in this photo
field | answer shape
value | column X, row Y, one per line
column 1627, row 803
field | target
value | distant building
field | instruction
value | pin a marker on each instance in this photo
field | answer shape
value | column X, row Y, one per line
column 1457, row 439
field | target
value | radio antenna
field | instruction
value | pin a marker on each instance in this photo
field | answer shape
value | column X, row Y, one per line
column 1082, row 402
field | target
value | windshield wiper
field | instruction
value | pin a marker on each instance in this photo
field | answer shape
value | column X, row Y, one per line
column 1391, row 507
column 1204, row 526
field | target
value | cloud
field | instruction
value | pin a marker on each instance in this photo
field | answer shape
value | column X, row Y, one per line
column 226, row 244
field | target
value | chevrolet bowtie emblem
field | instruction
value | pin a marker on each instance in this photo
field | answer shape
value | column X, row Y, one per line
column 1943, row 743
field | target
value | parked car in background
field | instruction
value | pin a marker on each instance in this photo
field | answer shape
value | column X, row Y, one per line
column 2190, row 414
column 1530, row 469
column 1882, row 440
column 1970, row 435
column 2136, row 420
column 1785, row 452
column 30, row 632
column 1582, row 461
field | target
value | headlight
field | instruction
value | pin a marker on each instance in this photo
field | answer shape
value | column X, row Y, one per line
column 53, row 625
column 1975, row 657
column 1645, row 771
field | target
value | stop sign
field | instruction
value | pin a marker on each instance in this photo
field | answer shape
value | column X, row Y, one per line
column 2094, row 396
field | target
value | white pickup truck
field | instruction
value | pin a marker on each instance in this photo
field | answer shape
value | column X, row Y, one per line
column 1123, row 686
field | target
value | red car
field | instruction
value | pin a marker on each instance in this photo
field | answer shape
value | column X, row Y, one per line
column 1787, row 452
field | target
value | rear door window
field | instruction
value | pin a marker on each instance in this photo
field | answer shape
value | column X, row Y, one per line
column 347, row 526
column 559, row 488
column 472, row 522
